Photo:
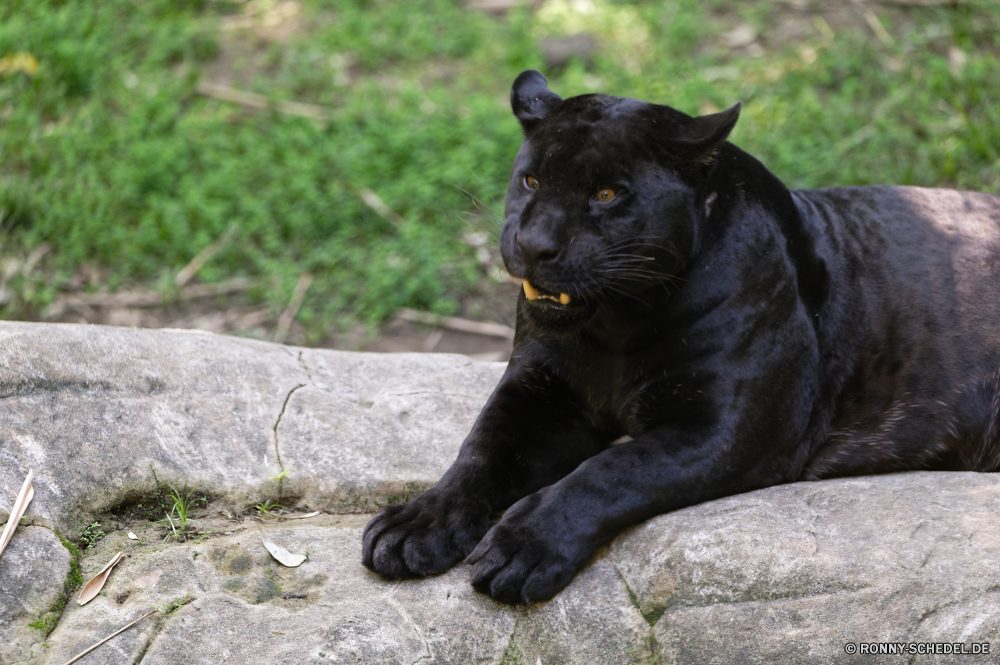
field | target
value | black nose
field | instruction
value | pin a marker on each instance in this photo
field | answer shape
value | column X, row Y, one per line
column 537, row 247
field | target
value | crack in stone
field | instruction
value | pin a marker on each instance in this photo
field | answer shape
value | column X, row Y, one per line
column 650, row 617
column 815, row 539
column 277, row 441
column 66, row 582
column 305, row 366
column 512, row 649
column 932, row 612
column 832, row 591
column 652, row 643
column 429, row 656
column 158, row 626
column 37, row 385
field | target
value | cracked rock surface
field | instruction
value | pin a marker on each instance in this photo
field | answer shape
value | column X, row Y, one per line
column 789, row 574
column 32, row 571
column 806, row 568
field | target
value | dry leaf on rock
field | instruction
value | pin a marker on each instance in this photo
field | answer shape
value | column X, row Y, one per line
column 94, row 586
column 17, row 510
column 300, row 517
column 283, row 556
column 291, row 517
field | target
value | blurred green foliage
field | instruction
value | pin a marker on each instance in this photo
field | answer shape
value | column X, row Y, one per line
column 109, row 154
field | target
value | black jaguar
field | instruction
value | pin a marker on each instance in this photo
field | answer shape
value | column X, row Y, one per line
column 690, row 329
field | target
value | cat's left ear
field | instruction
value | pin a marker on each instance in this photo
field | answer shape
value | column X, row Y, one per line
column 705, row 133
column 530, row 99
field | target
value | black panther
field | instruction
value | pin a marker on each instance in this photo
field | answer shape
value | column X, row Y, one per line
column 690, row 329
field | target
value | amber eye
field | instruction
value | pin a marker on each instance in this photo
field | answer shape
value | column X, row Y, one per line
column 530, row 182
column 605, row 195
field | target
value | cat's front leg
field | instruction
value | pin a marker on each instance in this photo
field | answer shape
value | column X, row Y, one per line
column 530, row 433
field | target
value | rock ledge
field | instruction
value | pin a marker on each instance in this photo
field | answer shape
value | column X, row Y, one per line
column 790, row 574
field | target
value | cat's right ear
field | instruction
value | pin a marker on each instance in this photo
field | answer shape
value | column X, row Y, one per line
column 706, row 133
column 531, row 99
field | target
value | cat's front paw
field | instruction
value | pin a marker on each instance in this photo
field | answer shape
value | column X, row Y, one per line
column 528, row 557
column 425, row 536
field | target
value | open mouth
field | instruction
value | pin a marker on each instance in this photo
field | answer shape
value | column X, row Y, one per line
column 534, row 294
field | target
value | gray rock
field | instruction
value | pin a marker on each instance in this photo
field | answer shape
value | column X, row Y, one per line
column 593, row 621
column 33, row 570
column 94, row 410
column 371, row 428
column 247, row 608
column 806, row 568
column 102, row 413
column 790, row 574
column 238, row 610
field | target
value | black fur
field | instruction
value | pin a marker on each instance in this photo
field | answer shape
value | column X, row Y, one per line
column 741, row 334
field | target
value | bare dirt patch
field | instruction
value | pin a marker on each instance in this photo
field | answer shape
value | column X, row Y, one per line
column 235, row 314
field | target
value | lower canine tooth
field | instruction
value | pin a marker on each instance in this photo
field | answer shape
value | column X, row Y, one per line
column 529, row 291
column 564, row 298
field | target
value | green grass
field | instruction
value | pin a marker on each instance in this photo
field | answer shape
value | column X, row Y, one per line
column 176, row 604
column 279, row 478
column 91, row 535
column 109, row 155
column 47, row 622
column 266, row 508
column 182, row 503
